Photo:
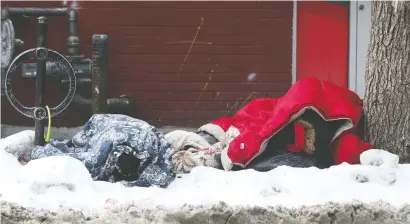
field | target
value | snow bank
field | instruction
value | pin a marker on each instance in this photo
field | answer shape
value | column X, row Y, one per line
column 220, row 213
column 20, row 143
column 59, row 182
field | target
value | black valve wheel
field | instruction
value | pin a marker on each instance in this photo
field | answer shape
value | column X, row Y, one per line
column 40, row 113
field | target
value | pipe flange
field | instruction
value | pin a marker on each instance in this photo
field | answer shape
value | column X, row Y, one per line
column 41, row 53
column 7, row 42
column 39, row 113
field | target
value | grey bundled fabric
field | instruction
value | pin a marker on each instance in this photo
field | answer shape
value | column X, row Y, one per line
column 208, row 137
column 320, row 134
column 282, row 158
column 277, row 153
column 115, row 148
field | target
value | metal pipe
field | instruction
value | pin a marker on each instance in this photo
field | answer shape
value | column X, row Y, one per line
column 72, row 21
column 17, row 11
column 73, row 41
column 3, row 77
column 42, row 29
column 80, row 100
column 99, row 73
column 121, row 105
column 117, row 105
column 114, row 103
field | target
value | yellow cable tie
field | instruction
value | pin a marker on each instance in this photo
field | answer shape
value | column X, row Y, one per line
column 48, row 136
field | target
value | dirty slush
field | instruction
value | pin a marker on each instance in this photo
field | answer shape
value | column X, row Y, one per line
column 356, row 212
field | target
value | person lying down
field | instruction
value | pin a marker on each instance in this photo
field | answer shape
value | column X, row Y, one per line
column 313, row 124
column 117, row 148
column 203, row 149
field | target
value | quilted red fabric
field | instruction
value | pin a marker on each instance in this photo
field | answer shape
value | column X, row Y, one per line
column 261, row 119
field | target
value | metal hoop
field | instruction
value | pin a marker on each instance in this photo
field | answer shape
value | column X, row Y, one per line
column 31, row 111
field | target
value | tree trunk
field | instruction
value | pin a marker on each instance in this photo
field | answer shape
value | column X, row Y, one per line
column 387, row 96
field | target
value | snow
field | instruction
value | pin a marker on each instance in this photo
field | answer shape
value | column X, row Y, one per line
column 20, row 143
column 251, row 76
column 52, row 182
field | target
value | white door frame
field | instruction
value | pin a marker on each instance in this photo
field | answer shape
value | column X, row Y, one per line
column 294, row 40
column 359, row 38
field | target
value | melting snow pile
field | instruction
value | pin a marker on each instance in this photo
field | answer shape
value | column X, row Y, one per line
column 53, row 182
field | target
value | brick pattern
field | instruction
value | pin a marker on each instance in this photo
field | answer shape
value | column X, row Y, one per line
column 185, row 62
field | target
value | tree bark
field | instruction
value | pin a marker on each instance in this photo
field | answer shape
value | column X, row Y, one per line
column 387, row 95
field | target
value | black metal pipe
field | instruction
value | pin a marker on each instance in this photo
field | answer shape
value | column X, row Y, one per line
column 73, row 41
column 72, row 21
column 18, row 11
column 42, row 30
column 121, row 105
column 80, row 100
column 3, row 77
column 99, row 73
column 117, row 105
column 113, row 104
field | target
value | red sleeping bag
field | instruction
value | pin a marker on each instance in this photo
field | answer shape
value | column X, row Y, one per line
column 249, row 130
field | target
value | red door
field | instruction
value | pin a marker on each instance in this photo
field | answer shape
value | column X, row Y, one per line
column 322, row 41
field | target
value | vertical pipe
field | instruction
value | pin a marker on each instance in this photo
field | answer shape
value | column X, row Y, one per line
column 42, row 29
column 72, row 21
column 73, row 41
column 3, row 78
column 99, row 73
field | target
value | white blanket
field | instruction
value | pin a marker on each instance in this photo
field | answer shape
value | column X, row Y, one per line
column 193, row 150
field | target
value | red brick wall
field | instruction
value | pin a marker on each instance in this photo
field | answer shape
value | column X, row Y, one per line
column 185, row 62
